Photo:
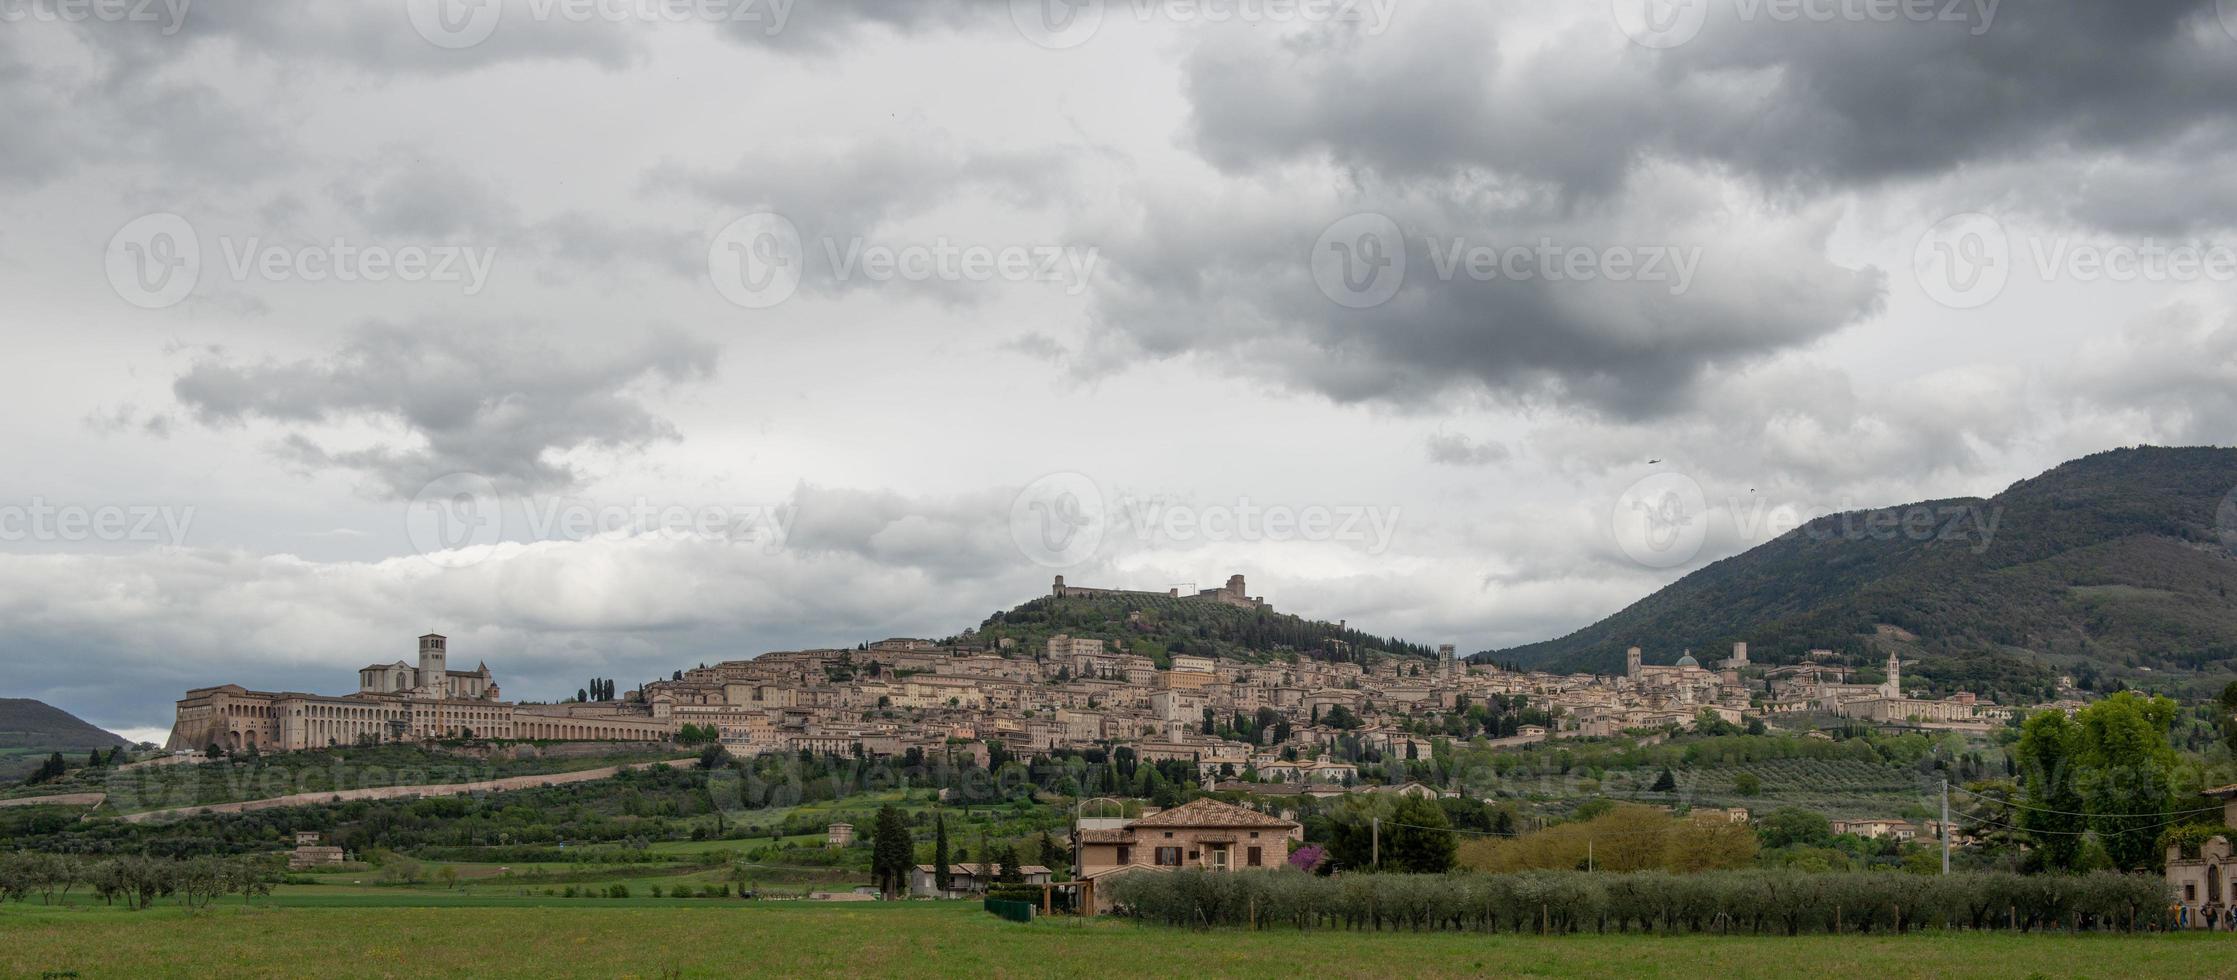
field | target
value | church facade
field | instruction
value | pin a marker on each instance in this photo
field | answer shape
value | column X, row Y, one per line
column 394, row 702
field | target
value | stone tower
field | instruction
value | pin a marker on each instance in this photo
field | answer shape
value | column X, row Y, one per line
column 1893, row 686
column 1631, row 662
column 434, row 666
column 1446, row 663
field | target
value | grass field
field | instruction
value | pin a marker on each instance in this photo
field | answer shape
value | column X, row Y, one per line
column 638, row 938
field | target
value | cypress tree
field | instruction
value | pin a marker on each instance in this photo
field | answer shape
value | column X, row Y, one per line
column 940, row 877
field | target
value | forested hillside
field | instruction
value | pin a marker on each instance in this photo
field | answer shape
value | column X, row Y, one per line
column 2100, row 567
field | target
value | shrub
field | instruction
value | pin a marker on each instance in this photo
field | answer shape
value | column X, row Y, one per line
column 1748, row 901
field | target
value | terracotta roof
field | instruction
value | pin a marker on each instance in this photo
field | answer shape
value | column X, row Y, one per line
column 972, row 870
column 1208, row 812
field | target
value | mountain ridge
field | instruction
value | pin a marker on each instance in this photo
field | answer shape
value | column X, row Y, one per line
column 2117, row 563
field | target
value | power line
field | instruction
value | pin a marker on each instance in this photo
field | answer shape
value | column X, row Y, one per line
column 2069, row 813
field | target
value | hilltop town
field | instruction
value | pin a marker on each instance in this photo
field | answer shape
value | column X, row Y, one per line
column 1275, row 713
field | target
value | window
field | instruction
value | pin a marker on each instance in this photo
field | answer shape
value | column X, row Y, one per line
column 1169, row 857
column 1125, row 854
column 1250, row 857
column 1254, row 835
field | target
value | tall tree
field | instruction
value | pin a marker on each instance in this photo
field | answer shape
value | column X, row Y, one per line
column 941, row 878
column 1418, row 838
column 1053, row 854
column 2130, row 765
column 891, row 852
column 2053, row 816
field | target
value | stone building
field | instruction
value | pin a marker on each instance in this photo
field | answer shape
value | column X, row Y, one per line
column 394, row 702
column 1203, row 833
column 2200, row 881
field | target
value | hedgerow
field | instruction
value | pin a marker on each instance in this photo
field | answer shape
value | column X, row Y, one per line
column 1762, row 901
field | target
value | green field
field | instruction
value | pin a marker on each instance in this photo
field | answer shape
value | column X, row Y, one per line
column 646, row 939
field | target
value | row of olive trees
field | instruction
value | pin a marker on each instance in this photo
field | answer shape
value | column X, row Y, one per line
column 1754, row 901
column 137, row 881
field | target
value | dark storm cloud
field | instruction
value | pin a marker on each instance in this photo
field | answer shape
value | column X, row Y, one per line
column 1233, row 283
column 485, row 401
column 1472, row 122
column 1788, row 101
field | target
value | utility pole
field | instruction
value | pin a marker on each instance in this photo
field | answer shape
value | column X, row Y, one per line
column 1588, row 855
column 1375, row 839
column 1945, row 825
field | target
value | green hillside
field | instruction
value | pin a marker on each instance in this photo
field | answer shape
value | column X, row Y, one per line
column 2114, row 566
column 1162, row 627
column 30, row 730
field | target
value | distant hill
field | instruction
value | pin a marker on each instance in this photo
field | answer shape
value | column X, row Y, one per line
column 1161, row 627
column 28, row 724
column 2104, row 567
column 31, row 730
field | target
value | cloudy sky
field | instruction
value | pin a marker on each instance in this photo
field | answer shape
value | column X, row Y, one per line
column 612, row 336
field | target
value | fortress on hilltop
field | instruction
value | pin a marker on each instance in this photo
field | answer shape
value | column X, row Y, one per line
column 1231, row 594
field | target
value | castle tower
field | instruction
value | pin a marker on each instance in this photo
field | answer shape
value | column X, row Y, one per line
column 1445, row 660
column 1631, row 663
column 1739, row 655
column 434, row 666
column 1235, row 586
